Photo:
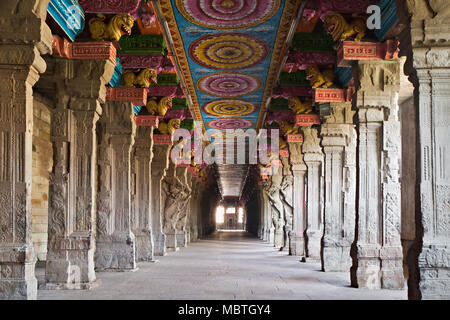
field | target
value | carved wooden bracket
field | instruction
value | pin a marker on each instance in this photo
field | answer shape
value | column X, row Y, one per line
column 306, row 120
column 137, row 96
column 147, row 121
column 332, row 95
column 349, row 50
column 94, row 50
column 294, row 138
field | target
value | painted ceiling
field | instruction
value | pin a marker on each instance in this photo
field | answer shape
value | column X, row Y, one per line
column 229, row 52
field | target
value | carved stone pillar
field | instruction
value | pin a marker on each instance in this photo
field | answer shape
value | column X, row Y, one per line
column 377, row 262
column 116, row 249
column 430, row 29
column 286, row 193
column 70, row 257
column 183, row 208
column 269, row 228
column 339, row 146
column 172, row 189
column 194, row 209
column 297, row 235
column 160, row 164
column 25, row 36
column 313, row 157
column 141, row 158
column 277, row 206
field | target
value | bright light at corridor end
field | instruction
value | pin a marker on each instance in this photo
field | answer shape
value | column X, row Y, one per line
column 220, row 214
column 241, row 215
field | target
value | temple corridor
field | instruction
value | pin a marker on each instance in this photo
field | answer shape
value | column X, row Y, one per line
column 224, row 149
column 228, row 265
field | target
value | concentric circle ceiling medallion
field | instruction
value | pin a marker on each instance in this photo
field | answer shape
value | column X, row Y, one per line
column 230, row 123
column 229, row 84
column 228, row 14
column 228, row 51
column 229, row 108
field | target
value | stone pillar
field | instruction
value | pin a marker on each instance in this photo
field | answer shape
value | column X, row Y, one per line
column 172, row 189
column 339, row 146
column 71, row 242
column 277, row 206
column 297, row 235
column 269, row 228
column 377, row 262
column 116, row 249
column 141, row 159
column 183, row 208
column 430, row 28
column 194, row 209
column 160, row 164
column 25, row 36
column 286, row 193
column 313, row 157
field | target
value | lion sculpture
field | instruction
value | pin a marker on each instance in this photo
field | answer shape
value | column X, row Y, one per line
column 117, row 26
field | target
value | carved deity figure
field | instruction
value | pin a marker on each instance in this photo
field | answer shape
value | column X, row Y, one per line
column 277, row 207
column 117, row 26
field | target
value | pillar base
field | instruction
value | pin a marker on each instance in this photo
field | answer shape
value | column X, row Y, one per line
column 144, row 245
column 116, row 253
column 336, row 259
column 159, row 244
column 181, row 239
column 434, row 269
column 70, row 286
column 309, row 260
column 25, row 289
column 313, row 244
column 378, row 268
column 296, row 244
column 171, row 242
column 70, row 261
column 278, row 238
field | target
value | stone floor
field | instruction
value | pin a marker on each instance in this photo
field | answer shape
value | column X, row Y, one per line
column 228, row 265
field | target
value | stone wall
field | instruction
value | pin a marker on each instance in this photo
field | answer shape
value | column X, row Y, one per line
column 42, row 165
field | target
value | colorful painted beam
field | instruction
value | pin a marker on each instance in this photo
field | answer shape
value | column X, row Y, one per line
column 343, row 6
column 294, row 79
column 168, row 79
column 305, row 59
column 349, row 51
column 108, row 6
column 165, row 91
column 312, row 42
column 142, row 44
column 68, row 15
column 137, row 96
column 286, row 92
column 62, row 48
column 138, row 61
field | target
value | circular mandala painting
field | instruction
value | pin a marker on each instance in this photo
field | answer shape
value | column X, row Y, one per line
column 227, row 51
column 229, row 108
column 229, row 84
column 228, row 14
column 230, row 123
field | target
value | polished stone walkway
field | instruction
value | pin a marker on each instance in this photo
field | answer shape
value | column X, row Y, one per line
column 228, row 265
